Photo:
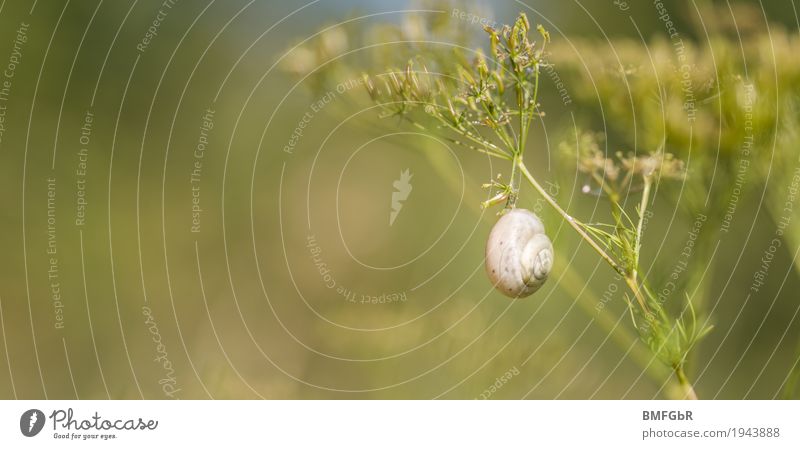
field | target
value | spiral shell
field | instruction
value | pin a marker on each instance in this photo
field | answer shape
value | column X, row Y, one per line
column 519, row 256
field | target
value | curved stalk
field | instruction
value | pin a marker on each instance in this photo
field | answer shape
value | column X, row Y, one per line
column 569, row 218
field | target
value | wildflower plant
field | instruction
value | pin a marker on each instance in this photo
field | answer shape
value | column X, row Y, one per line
column 483, row 95
column 487, row 103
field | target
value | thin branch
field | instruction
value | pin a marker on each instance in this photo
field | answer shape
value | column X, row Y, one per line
column 571, row 220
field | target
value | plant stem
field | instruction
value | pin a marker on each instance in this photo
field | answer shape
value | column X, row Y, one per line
column 639, row 228
column 688, row 389
column 572, row 221
column 632, row 279
column 629, row 279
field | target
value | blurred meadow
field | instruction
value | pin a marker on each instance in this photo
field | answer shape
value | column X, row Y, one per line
column 198, row 202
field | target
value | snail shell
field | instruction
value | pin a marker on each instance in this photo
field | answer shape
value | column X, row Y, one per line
column 519, row 256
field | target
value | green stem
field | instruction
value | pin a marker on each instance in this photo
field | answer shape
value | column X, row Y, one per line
column 633, row 285
column 639, row 228
column 571, row 220
column 637, row 292
column 688, row 389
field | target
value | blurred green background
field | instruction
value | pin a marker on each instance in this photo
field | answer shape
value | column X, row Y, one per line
column 291, row 282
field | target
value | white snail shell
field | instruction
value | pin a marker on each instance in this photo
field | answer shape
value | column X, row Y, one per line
column 519, row 256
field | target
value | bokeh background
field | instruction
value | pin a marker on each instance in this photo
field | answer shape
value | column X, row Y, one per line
column 223, row 254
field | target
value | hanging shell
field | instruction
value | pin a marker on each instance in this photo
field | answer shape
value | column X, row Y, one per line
column 519, row 256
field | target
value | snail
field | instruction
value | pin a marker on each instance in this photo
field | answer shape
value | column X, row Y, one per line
column 519, row 256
